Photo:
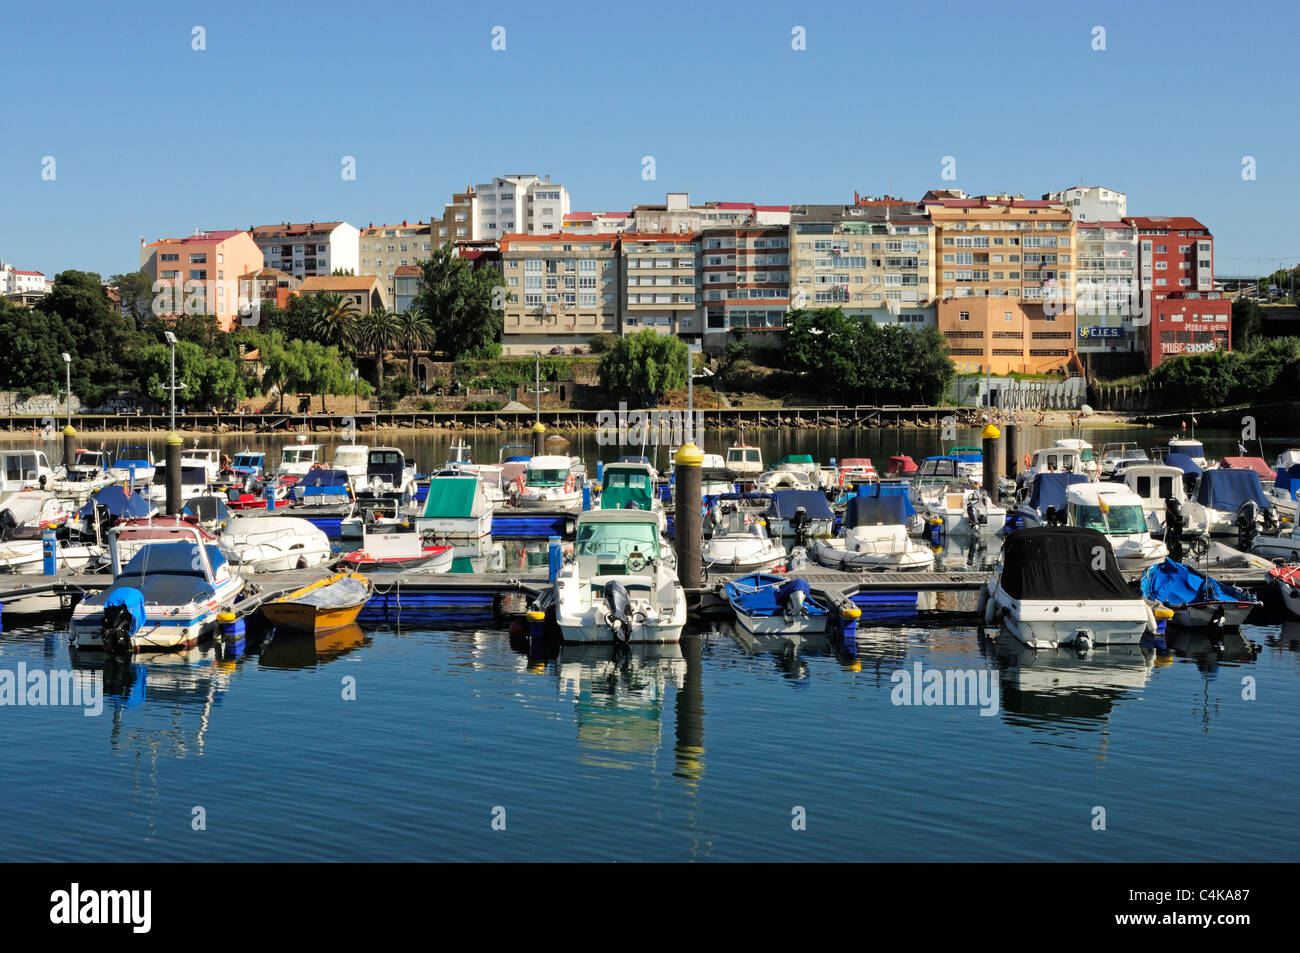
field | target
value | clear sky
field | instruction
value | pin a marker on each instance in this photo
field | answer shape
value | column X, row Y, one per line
column 150, row 137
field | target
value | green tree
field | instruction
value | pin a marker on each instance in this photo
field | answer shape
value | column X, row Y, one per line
column 465, row 305
column 378, row 331
column 642, row 367
column 1247, row 323
column 335, row 320
column 414, row 333
column 135, row 294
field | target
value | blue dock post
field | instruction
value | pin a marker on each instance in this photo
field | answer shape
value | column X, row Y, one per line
column 553, row 557
column 536, row 633
column 49, row 551
column 936, row 532
column 849, row 616
column 600, row 472
column 586, row 496
column 270, row 495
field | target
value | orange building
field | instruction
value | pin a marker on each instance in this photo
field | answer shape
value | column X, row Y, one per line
column 1005, row 274
column 200, row 274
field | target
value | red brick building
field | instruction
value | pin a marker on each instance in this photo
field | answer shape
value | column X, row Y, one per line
column 1176, row 273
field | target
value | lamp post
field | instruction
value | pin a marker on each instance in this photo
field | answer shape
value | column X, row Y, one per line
column 69, row 435
column 356, row 389
column 537, row 390
column 67, row 363
column 171, row 339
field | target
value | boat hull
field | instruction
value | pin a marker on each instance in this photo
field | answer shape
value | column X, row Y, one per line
column 1039, row 624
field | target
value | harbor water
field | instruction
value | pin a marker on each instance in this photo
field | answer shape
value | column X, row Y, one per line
column 439, row 739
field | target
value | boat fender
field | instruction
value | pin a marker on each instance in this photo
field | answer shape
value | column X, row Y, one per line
column 990, row 610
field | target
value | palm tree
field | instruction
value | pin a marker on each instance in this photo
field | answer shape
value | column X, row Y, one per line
column 378, row 330
column 335, row 319
column 414, row 332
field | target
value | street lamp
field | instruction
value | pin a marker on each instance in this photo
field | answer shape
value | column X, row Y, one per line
column 538, row 391
column 356, row 388
column 67, row 363
column 171, row 339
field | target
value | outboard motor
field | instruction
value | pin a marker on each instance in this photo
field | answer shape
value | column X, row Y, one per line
column 974, row 514
column 791, row 596
column 619, row 604
column 115, row 629
column 800, row 523
column 1247, row 528
column 1174, row 525
column 7, row 524
column 1270, row 521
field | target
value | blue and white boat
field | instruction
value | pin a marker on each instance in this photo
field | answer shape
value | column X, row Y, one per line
column 1044, row 501
column 792, row 511
column 1285, row 491
column 113, row 504
column 166, row 597
column 135, row 464
column 874, row 536
column 766, row 604
column 1198, row 601
column 1219, row 496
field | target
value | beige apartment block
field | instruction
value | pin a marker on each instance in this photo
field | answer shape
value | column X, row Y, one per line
column 562, row 289
column 661, row 275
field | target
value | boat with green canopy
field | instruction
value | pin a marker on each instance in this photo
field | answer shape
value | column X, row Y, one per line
column 456, row 508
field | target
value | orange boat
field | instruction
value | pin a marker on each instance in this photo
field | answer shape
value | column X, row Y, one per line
column 327, row 604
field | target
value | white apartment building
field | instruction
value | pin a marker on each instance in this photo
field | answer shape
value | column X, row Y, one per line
column 16, row 283
column 677, row 214
column 1106, row 286
column 1091, row 203
column 311, row 249
column 519, row 205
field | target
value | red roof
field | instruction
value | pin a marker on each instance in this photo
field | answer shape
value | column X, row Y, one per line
column 771, row 208
column 36, row 273
column 582, row 215
column 1174, row 223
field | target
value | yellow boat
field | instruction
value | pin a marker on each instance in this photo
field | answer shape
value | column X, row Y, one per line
column 330, row 603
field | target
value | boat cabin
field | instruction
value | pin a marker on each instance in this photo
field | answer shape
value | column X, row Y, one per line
column 627, row 486
column 21, row 469
column 743, row 458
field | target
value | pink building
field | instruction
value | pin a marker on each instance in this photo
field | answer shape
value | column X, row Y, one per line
column 200, row 274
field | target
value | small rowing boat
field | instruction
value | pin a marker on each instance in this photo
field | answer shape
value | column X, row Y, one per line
column 327, row 604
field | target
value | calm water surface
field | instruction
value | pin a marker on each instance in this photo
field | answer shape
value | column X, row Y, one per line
column 697, row 752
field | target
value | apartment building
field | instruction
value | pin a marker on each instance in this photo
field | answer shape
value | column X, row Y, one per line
column 1018, row 252
column 661, row 279
column 199, row 274
column 519, row 204
column 745, row 279
column 386, row 249
column 310, row 248
column 1091, row 203
column 562, row 289
column 1107, row 296
column 1176, row 271
column 872, row 260
column 363, row 292
column 406, row 283
column 459, row 221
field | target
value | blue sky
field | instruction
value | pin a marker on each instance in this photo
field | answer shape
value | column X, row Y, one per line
column 152, row 138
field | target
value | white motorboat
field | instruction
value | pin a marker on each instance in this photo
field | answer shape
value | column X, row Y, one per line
column 168, row 596
column 455, row 508
column 491, row 475
column 352, row 459
column 86, row 474
column 1061, row 585
column 1220, row 495
column 194, row 483
column 855, row 470
column 1155, row 484
column 209, row 458
column 24, row 470
column 388, row 474
column 740, row 544
column 799, row 513
column 874, row 536
column 549, row 483
column 1087, row 459
column 1042, row 501
column 1285, row 490
column 299, row 457
column 26, row 557
column 963, row 512
column 621, row 584
column 1116, row 511
column 1116, row 457
column 1282, row 546
column 27, row 512
column 274, row 543
column 745, row 460
column 1192, row 448
column 1052, row 460
column 134, row 464
column 794, row 471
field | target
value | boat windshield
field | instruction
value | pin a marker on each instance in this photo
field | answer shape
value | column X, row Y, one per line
column 1085, row 454
column 547, row 477
column 298, row 456
column 736, row 455
column 617, row 539
column 248, row 460
column 1122, row 520
column 349, row 458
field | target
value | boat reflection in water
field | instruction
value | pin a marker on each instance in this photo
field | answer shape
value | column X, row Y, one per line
column 789, row 651
column 1054, row 688
column 287, row 649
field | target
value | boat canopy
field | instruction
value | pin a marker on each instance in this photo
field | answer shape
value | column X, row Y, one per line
column 1183, row 462
column 1289, row 480
column 626, row 483
column 341, row 594
column 1049, row 490
column 452, row 497
column 797, row 459
column 766, row 595
column 1054, row 563
column 1177, row 585
column 1228, row 489
column 785, row 502
column 323, row 479
column 119, row 503
column 876, row 511
column 899, row 490
column 1258, row 464
column 208, row 509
